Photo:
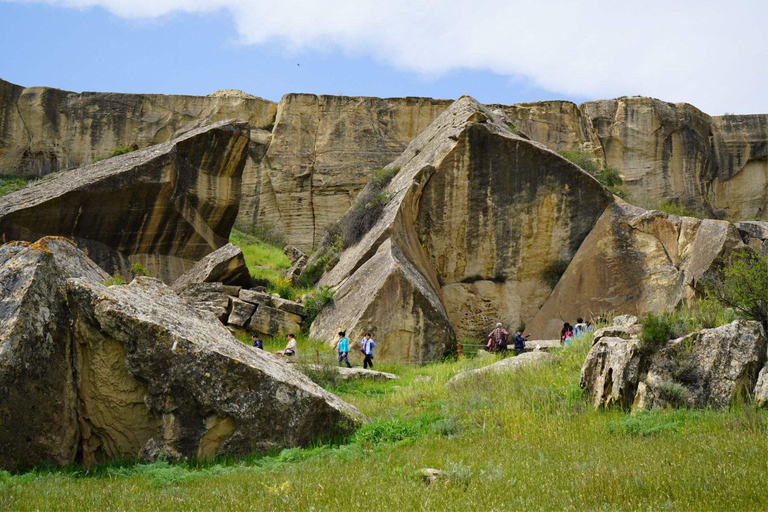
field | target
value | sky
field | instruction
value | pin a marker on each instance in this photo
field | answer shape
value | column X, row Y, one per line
column 711, row 54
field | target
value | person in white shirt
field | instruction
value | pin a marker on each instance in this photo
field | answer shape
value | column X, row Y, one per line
column 290, row 348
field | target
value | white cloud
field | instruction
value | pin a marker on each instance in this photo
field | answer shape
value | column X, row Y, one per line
column 712, row 54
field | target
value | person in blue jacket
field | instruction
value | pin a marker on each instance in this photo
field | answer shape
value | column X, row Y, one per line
column 342, row 347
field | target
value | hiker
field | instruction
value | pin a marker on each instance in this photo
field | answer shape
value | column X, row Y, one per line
column 497, row 339
column 566, row 335
column 257, row 342
column 342, row 348
column 366, row 347
column 290, row 348
column 580, row 327
column 519, row 340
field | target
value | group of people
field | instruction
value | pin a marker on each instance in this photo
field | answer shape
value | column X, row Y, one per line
column 498, row 340
column 571, row 332
column 366, row 347
column 341, row 347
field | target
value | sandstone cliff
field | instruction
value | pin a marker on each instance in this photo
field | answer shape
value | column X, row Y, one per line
column 476, row 215
column 165, row 207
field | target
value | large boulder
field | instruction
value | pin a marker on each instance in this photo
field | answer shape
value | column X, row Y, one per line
column 165, row 207
column 636, row 261
column 448, row 213
column 38, row 409
column 711, row 368
column 224, row 265
column 90, row 372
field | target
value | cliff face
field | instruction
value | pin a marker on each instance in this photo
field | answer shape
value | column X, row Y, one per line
column 309, row 156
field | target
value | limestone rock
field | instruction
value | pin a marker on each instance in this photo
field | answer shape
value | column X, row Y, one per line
column 129, row 371
column 459, row 183
column 255, row 297
column 761, row 388
column 294, row 254
column 241, row 312
column 294, row 272
column 38, row 409
column 431, row 475
column 624, row 333
column 706, row 369
column 270, row 321
column 611, row 372
column 207, row 297
column 636, row 261
column 624, row 321
column 224, row 265
column 349, row 374
column 289, row 305
column 509, row 364
column 119, row 210
column 755, row 235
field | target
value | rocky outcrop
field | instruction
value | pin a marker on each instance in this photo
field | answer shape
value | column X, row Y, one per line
column 507, row 365
column 90, row 372
column 445, row 235
column 635, row 261
column 225, row 265
column 710, row 368
column 165, row 207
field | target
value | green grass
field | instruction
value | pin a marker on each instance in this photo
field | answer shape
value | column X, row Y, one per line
column 522, row 441
column 10, row 184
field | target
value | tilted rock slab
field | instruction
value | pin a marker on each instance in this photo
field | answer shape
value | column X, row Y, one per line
column 165, row 207
column 480, row 213
column 509, row 364
column 611, row 372
column 635, row 261
column 90, row 372
column 225, row 265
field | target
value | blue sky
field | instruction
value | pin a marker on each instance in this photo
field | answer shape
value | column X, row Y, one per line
column 708, row 53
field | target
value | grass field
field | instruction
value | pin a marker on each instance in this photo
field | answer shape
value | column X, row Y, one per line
column 527, row 441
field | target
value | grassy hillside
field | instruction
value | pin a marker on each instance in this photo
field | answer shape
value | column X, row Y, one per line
column 527, row 440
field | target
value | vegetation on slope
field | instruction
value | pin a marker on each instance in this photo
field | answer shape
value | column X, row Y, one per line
column 606, row 175
column 10, row 184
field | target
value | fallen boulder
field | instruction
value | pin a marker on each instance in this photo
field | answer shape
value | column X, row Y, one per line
column 90, row 372
column 208, row 297
column 166, row 206
column 225, row 265
column 509, row 364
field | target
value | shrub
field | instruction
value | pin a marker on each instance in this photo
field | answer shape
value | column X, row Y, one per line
column 674, row 394
column 368, row 206
column 606, row 175
column 122, row 150
column 139, row 270
column 10, row 184
column 116, row 279
column 675, row 209
column 742, row 284
column 554, row 271
column 315, row 303
column 282, row 286
column 657, row 330
column 270, row 125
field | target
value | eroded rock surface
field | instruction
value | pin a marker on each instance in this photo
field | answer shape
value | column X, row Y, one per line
column 165, row 207
column 611, row 372
column 90, row 372
column 225, row 265
column 509, row 364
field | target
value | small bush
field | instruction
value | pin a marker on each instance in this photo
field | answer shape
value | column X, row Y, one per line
column 674, row 394
column 742, row 284
column 657, row 331
column 554, row 271
column 122, row 150
column 675, row 209
column 10, row 184
column 116, row 279
column 388, row 431
column 282, row 286
column 606, row 175
column 139, row 270
column 368, row 206
column 270, row 125
column 315, row 303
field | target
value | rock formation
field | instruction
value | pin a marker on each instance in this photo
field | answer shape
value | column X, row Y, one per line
column 635, row 261
column 710, row 368
column 506, row 365
column 165, row 207
column 89, row 372
column 444, row 257
column 225, row 265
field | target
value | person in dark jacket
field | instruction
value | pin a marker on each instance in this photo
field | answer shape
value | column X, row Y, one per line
column 519, row 340
column 257, row 342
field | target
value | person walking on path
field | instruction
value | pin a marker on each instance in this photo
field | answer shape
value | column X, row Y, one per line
column 366, row 347
column 497, row 339
column 580, row 327
column 342, row 347
column 519, row 341
column 257, row 342
column 566, row 335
